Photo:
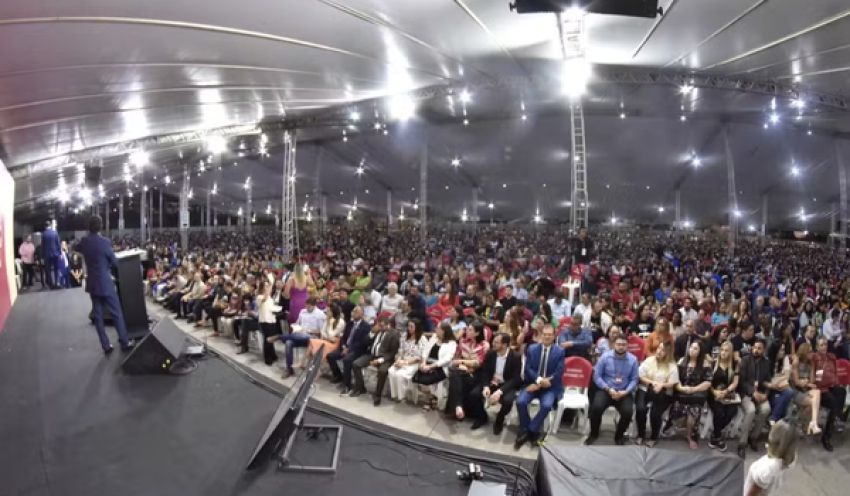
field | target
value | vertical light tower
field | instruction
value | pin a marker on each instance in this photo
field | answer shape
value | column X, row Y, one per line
column 577, row 72
column 289, row 217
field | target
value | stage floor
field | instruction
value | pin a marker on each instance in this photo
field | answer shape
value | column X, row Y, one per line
column 72, row 424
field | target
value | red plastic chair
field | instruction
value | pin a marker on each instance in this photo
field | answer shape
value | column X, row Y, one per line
column 563, row 322
column 485, row 277
column 501, row 293
column 435, row 313
column 385, row 314
column 468, row 311
column 637, row 347
column 393, row 277
column 576, row 378
column 843, row 370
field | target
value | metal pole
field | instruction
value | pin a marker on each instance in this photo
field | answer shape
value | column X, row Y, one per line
column 389, row 209
column 764, row 205
column 317, row 186
column 143, row 213
column 215, row 217
column 678, row 208
column 423, row 195
column 842, row 180
column 324, row 212
column 121, row 215
column 106, row 217
column 733, row 196
column 160, row 209
column 184, row 210
column 833, row 225
column 475, row 209
column 249, row 209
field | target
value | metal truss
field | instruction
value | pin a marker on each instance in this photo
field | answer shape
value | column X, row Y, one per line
column 289, row 210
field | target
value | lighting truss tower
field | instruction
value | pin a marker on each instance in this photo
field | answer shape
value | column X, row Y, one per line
column 289, row 210
column 571, row 31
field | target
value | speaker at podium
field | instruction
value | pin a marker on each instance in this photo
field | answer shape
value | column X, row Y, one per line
column 128, row 282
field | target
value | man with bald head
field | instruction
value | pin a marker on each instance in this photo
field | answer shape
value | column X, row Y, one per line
column 355, row 343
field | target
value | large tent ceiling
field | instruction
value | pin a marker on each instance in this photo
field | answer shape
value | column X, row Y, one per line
column 80, row 80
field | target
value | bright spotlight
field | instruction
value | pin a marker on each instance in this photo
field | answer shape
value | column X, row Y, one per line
column 402, row 108
column 377, row 125
column 751, row 227
column 524, row 117
column 576, row 74
column 774, row 118
column 795, row 171
column 688, row 224
column 466, row 122
column 264, row 138
column 360, row 170
column 683, row 118
column 686, row 89
column 215, row 144
column 167, row 179
column 622, row 115
column 465, row 97
column 737, row 213
column 139, row 158
column 696, row 161
column 456, row 162
column 490, row 206
column 355, row 115
column 661, row 210
column 613, row 220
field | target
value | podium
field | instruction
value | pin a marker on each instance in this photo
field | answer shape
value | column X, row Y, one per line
column 128, row 282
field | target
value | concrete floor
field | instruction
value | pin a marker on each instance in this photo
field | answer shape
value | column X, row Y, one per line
column 816, row 473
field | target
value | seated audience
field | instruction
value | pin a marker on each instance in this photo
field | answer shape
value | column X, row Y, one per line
column 724, row 399
column 575, row 340
column 661, row 333
column 544, row 367
column 470, row 355
column 694, row 383
column 753, row 388
column 407, row 360
column 659, row 377
column 355, row 343
column 498, row 383
column 382, row 350
column 436, row 359
column 616, row 375
column 331, row 332
column 833, row 396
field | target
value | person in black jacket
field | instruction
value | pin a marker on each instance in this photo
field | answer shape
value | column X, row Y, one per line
column 355, row 343
column 498, row 382
column 753, row 385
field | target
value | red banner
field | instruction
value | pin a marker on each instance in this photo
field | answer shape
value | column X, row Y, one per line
column 8, row 289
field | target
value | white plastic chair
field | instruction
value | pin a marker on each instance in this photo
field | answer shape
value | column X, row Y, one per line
column 576, row 378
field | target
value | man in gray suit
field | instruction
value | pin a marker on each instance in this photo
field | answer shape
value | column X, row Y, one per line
column 382, row 352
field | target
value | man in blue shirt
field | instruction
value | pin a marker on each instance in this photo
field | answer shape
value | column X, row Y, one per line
column 544, row 367
column 574, row 340
column 616, row 376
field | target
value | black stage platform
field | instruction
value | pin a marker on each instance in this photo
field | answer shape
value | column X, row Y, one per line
column 72, row 424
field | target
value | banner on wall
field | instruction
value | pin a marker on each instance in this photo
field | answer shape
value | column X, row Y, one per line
column 8, row 289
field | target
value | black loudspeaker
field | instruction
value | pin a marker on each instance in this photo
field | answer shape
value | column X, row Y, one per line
column 155, row 353
column 93, row 175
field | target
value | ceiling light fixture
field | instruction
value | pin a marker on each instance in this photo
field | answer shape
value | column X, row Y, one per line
column 577, row 72
column 139, row 158
column 456, row 162
column 355, row 115
column 215, row 144
column 465, row 97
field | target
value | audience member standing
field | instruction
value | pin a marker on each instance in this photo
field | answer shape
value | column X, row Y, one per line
column 51, row 251
column 27, row 253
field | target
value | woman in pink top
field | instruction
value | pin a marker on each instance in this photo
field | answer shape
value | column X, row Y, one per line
column 27, row 254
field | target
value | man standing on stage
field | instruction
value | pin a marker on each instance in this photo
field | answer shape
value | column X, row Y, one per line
column 99, row 257
column 51, row 251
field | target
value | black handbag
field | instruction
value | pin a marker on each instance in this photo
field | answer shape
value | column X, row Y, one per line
column 697, row 398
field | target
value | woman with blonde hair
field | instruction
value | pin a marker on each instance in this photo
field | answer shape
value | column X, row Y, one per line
column 807, row 393
column 768, row 472
column 659, row 376
column 723, row 400
column 296, row 291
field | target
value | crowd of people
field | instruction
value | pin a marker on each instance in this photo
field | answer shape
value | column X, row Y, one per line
column 475, row 319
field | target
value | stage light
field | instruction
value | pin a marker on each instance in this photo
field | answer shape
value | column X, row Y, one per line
column 167, row 179
column 696, row 161
column 765, row 125
column 139, row 158
column 774, row 118
column 737, row 213
column 360, row 170
column 466, row 122
column 686, row 89
column 661, row 210
column 377, row 125
column 386, row 132
column 809, row 132
column 613, row 220
column 524, row 117
column 355, row 115
column 191, row 193
column 576, row 74
column 538, row 219
column 463, row 216
column 504, row 185
column 145, row 189
column 683, row 118
column 688, row 224
column 622, row 115
column 795, row 171
column 402, row 108
column 456, row 162
column 465, row 97
column 344, row 138
column 490, row 206
column 751, row 227
column 264, row 138
column 215, row 144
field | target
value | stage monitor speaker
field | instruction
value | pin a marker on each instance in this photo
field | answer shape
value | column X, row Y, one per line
column 155, row 353
column 93, row 175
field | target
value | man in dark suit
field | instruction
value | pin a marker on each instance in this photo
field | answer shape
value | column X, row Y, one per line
column 355, row 343
column 499, row 381
column 544, row 367
column 99, row 257
column 382, row 352
column 51, row 251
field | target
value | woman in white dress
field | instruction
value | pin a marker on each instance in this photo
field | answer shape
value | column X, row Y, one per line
column 407, row 360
